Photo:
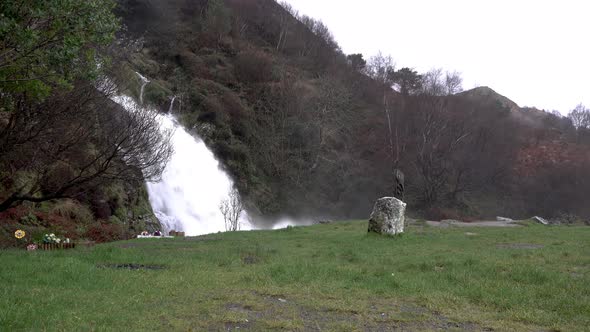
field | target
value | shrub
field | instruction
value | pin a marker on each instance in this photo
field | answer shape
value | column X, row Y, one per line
column 73, row 210
column 101, row 232
column 29, row 219
column 253, row 67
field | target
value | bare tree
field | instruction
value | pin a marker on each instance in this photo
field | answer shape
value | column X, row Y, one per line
column 437, row 82
column 285, row 22
column 580, row 117
column 231, row 208
column 75, row 141
column 453, row 83
column 433, row 82
column 439, row 137
column 381, row 68
column 331, row 115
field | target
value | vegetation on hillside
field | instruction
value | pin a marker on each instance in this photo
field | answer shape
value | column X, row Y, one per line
column 304, row 129
column 71, row 160
column 307, row 130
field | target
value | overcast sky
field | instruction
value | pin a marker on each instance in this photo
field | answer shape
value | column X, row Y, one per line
column 535, row 52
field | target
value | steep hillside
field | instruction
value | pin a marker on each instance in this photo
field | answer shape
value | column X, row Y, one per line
column 305, row 131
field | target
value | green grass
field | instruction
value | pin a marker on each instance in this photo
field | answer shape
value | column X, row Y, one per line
column 324, row 277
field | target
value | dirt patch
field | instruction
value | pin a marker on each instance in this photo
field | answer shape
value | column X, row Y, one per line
column 250, row 259
column 378, row 317
column 519, row 246
column 238, row 307
column 131, row 266
column 456, row 223
column 201, row 239
column 134, row 245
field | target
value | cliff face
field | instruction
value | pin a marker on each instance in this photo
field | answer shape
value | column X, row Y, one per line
column 304, row 131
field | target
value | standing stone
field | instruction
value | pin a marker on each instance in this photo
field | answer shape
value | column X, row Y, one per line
column 388, row 216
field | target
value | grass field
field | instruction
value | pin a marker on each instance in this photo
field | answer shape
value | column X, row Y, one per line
column 332, row 277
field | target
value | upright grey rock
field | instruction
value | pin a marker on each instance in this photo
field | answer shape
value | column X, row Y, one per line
column 398, row 184
column 388, row 216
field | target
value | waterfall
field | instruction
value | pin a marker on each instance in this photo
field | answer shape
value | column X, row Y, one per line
column 144, row 82
column 192, row 186
column 171, row 105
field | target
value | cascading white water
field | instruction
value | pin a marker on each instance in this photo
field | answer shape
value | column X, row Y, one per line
column 171, row 108
column 144, row 82
column 192, row 186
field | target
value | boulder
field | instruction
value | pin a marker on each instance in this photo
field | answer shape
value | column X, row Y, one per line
column 388, row 216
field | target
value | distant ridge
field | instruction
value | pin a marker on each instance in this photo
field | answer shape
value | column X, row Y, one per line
column 484, row 93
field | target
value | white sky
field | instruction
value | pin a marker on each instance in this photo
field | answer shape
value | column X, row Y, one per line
column 535, row 52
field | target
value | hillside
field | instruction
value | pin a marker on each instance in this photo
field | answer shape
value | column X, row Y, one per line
column 303, row 129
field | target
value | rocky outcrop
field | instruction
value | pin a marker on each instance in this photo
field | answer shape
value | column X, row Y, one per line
column 388, row 216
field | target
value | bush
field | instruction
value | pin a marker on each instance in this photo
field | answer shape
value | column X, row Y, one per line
column 101, row 232
column 253, row 67
column 73, row 210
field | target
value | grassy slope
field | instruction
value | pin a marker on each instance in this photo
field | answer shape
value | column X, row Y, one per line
column 328, row 277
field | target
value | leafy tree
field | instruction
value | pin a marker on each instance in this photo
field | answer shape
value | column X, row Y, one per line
column 47, row 44
column 356, row 61
column 408, row 80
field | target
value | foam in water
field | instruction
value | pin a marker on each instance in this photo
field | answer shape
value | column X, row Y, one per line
column 192, row 186
column 286, row 222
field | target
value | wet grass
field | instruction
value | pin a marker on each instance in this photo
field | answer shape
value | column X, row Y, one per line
column 324, row 277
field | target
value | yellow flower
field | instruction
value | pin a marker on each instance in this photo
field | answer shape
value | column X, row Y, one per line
column 19, row 234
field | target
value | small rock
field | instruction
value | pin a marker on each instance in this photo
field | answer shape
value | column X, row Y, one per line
column 282, row 300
